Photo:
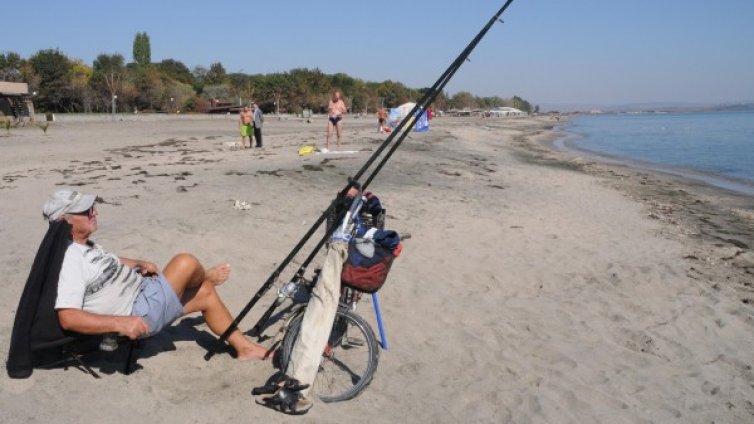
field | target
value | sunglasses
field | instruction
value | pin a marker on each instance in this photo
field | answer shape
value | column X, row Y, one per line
column 89, row 212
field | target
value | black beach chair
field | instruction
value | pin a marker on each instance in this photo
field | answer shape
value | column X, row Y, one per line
column 38, row 341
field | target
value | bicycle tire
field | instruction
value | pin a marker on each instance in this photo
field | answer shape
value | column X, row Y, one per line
column 331, row 383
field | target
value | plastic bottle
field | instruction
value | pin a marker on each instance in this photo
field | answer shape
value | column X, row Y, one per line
column 109, row 342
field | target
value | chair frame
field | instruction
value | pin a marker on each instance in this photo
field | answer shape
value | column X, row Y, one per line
column 73, row 357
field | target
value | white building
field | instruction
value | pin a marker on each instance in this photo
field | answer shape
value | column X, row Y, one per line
column 499, row 112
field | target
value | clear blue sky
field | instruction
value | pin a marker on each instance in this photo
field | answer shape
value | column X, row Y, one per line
column 548, row 51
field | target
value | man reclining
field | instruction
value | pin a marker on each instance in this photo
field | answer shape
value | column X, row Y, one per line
column 99, row 292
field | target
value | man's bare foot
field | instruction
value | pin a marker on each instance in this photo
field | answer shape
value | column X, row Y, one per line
column 253, row 351
column 218, row 274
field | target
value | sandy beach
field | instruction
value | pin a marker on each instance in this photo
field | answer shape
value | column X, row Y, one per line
column 536, row 286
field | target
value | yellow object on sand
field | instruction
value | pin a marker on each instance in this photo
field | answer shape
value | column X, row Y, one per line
column 305, row 150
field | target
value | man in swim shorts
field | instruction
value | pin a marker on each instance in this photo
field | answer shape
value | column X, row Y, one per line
column 246, row 125
column 335, row 110
column 99, row 292
column 381, row 119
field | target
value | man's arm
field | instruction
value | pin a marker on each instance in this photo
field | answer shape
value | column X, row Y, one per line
column 144, row 267
column 88, row 323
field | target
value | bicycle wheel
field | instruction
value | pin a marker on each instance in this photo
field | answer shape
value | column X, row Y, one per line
column 349, row 360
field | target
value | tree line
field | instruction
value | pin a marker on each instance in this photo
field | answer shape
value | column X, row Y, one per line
column 65, row 84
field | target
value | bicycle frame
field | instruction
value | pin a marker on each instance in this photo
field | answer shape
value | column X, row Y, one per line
column 348, row 300
column 289, row 289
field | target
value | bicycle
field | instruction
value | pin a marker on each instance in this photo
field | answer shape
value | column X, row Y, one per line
column 351, row 355
column 350, row 358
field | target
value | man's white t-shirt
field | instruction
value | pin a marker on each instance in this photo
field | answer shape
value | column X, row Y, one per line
column 96, row 281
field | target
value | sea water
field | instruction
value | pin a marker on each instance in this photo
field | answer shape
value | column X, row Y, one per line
column 714, row 147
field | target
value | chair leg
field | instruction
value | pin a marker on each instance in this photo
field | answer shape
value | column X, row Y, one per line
column 77, row 358
column 131, row 359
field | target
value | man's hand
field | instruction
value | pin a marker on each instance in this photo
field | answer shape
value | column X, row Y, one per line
column 142, row 267
column 133, row 327
column 89, row 323
column 147, row 268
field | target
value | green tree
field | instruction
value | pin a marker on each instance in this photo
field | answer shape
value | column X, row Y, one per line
column 199, row 74
column 10, row 66
column 273, row 91
column 300, row 94
column 241, row 87
column 176, row 70
column 66, row 84
column 180, row 93
column 81, row 92
column 149, row 87
column 394, row 93
column 107, row 77
column 491, row 102
column 462, row 100
column 441, row 100
column 521, row 104
column 142, row 51
column 362, row 98
column 217, row 91
column 29, row 76
column 54, row 71
column 215, row 75
column 345, row 83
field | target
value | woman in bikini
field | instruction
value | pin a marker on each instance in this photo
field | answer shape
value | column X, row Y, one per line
column 335, row 110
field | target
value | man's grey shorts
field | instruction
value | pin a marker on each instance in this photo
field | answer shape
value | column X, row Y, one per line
column 157, row 303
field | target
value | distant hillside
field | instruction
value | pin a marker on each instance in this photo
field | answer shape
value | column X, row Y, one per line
column 741, row 107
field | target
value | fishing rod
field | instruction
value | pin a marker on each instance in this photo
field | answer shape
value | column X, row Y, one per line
column 420, row 106
column 334, row 208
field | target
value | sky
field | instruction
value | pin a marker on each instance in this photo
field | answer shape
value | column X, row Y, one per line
column 550, row 52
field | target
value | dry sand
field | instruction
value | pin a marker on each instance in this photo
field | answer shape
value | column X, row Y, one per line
column 535, row 287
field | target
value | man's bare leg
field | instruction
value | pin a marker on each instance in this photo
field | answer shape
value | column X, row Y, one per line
column 329, row 133
column 206, row 300
column 195, row 288
column 184, row 272
column 339, row 130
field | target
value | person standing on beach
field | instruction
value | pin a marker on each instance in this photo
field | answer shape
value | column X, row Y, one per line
column 258, row 121
column 246, row 125
column 335, row 110
column 381, row 119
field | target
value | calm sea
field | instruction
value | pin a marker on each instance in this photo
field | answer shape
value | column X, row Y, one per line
column 715, row 147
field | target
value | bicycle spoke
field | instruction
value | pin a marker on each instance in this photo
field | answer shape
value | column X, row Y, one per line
column 348, row 361
column 339, row 364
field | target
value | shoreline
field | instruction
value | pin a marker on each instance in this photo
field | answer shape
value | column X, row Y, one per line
column 712, row 218
column 731, row 185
